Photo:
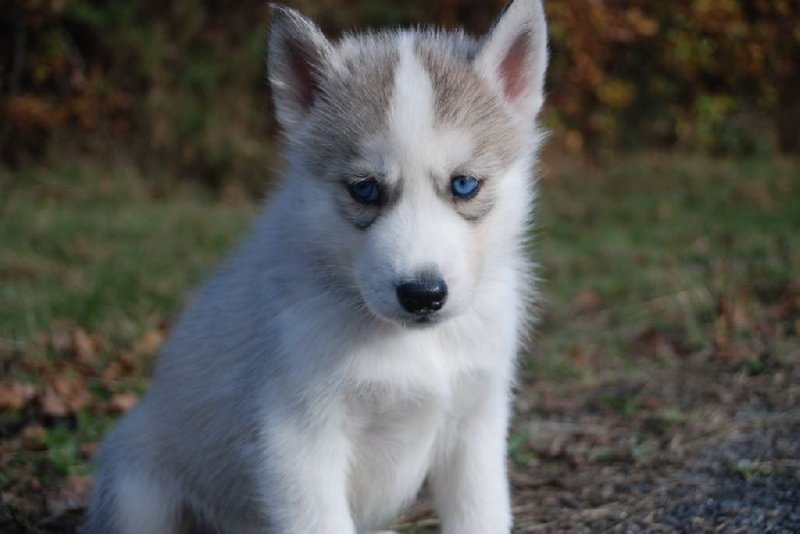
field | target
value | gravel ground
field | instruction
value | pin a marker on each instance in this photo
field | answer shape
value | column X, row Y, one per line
column 731, row 463
column 723, row 456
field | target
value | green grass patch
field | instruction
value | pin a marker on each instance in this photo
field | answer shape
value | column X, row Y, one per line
column 97, row 251
column 659, row 243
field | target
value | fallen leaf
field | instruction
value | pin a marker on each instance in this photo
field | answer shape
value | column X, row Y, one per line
column 54, row 403
column 64, row 395
column 32, row 438
column 151, row 341
column 128, row 360
column 740, row 318
column 61, row 339
column 15, row 395
column 89, row 449
column 653, row 403
column 112, row 372
column 653, row 344
column 586, row 301
column 84, row 347
column 581, row 357
column 122, row 402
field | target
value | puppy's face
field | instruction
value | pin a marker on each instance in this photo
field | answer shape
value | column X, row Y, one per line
column 414, row 152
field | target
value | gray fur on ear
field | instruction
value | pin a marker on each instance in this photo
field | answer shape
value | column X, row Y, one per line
column 513, row 56
column 297, row 58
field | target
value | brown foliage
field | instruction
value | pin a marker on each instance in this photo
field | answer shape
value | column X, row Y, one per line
column 182, row 82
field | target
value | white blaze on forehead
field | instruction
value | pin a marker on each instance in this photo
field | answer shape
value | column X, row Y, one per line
column 414, row 140
column 412, row 111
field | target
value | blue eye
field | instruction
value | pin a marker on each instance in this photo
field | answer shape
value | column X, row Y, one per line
column 365, row 191
column 464, row 187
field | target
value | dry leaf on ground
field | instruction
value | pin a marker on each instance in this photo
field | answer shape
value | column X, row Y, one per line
column 122, row 402
column 15, row 395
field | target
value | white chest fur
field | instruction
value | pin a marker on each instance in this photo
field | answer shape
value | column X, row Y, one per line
column 404, row 406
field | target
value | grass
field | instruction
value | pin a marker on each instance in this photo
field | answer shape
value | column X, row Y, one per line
column 659, row 244
column 97, row 252
column 646, row 261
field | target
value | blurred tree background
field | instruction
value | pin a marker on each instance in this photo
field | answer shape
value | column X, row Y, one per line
column 179, row 87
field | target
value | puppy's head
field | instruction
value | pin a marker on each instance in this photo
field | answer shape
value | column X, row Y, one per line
column 411, row 154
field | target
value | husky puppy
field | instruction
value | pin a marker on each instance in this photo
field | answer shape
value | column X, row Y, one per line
column 363, row 338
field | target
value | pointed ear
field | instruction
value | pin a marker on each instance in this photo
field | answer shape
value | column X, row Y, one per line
column 513, row 56
column 298, row 55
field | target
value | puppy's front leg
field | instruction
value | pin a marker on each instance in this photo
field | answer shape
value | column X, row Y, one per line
column 306, row 459
column 469, row 478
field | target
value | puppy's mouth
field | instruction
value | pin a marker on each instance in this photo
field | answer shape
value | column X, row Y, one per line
column 415, row 322
column 424, row 321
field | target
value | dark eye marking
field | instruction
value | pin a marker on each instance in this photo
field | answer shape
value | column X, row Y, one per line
column 464, row 187
column 365, row 191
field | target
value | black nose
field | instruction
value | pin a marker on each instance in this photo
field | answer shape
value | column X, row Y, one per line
column 423, row 296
